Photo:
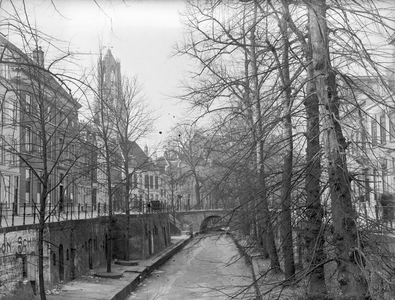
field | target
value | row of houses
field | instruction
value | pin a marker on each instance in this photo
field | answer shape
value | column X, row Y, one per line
column 46, row 149
column 370, row 131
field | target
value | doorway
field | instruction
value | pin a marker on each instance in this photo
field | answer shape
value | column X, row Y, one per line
column 61, row 263
column 90, row 254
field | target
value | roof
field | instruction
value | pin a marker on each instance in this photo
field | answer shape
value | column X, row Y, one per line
column 34, row 71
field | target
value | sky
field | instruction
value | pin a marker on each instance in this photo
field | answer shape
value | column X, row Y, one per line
column 141, row 35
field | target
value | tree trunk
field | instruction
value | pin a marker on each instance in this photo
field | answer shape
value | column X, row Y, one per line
column 109, row 187
column 127, row 207
column 267, row 222
column 268, row 236
column 349, row 260
column 197, row 193
column 313, row 231
column 41, row 257
column 41, row 227
column 286, row 201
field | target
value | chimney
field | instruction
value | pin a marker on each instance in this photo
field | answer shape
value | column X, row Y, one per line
column 38, row 56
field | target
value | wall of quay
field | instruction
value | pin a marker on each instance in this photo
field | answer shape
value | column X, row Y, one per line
column 75, row 247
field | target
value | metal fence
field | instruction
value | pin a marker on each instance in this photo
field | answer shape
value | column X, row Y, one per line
column 30, row 213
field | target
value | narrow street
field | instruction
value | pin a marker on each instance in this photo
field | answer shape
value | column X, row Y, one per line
column 209, row 267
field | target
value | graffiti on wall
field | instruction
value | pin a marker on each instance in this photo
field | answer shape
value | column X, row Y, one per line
column 18, row 242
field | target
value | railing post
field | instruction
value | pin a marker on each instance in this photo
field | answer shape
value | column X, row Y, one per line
column 24, row 213
column 13, row 214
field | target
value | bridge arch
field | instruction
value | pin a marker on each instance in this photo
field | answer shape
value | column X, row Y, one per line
column 211, row 223
column 201, row 219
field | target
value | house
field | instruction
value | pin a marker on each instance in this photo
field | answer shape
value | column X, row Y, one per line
column 41, row 135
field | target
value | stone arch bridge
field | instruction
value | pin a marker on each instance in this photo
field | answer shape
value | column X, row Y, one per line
column 202, row 220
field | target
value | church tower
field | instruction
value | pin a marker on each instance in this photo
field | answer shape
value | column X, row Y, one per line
column 109, row 85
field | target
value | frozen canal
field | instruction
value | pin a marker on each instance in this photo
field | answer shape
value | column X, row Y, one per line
column 209, row 267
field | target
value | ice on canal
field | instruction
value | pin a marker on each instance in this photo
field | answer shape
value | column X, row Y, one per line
column 209, row 267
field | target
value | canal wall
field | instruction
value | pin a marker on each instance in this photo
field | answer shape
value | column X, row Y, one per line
column 155, row 263
column 74, row 247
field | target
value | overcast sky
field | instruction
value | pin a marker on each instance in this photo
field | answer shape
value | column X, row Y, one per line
column 141, row 34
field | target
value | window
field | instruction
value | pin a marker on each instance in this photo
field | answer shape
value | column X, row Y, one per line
column 60, row 147
column 374, row 132
column 156, row 182
column 146, row 181
column 39, row 142
column 383, row 131
column 13, row 153
column 135, row 180
column 15, row 112
column 8, row 111
column 151, row 182
column 392, row 126
column 384, row 174
column 48, row 116
column 28, row 139
column 28, row 101
column 2, row 150
column 4, row 70
column 27, row 185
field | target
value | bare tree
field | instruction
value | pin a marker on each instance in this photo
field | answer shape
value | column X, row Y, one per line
column 133, row 121
column 40, row 132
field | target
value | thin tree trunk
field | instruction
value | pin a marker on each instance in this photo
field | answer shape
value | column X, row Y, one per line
column 267, row 220
column 109, row 187
column 286, row 201
column 267, row 223
column 41, row 244
column 349, row 260
column 127, row 207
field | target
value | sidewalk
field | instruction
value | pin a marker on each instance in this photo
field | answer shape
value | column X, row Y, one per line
column 92, row 287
